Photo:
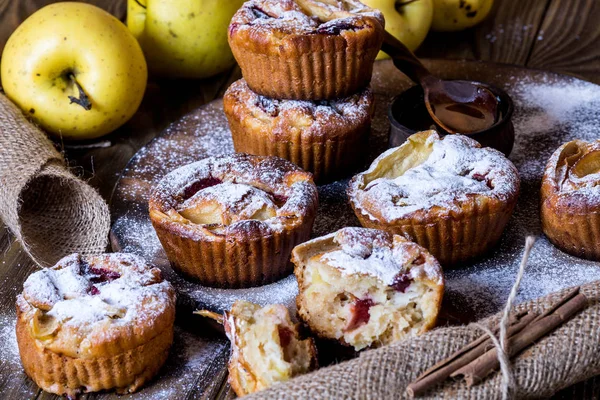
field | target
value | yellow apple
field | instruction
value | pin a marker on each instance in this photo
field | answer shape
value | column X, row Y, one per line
column 183, row 38
column 75, row 70
column 456, row 15
column 407, row 20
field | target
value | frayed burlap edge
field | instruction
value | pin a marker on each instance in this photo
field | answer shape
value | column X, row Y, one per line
column 569, row 355
column 48, row 209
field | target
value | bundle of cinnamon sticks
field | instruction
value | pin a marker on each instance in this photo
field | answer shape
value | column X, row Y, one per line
column 478, row 359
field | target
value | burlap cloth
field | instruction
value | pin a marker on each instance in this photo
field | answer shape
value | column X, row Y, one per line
column 565, row 357
column 51, row 211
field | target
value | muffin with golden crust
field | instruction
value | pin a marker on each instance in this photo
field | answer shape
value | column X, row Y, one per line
column 306, row 49
column 570, row 199
column 266, row 347
column 366, row 287
column 449, row 195
column 95, row 323
column 325, row 137
column 232, row 221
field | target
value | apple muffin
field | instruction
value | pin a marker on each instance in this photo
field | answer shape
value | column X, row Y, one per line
column 570, row 199
column 306, row 49
column 366, row 287
column 232, row 221
column 95, row 323
column 324, row 137
column 266, row 347
column 449, row 195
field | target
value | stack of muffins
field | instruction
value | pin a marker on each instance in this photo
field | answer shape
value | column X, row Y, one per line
column 304, row 97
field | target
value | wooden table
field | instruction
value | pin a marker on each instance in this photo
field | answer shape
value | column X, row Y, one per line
column 557, row 35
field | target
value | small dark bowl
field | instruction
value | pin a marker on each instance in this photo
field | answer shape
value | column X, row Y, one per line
column 408, row 115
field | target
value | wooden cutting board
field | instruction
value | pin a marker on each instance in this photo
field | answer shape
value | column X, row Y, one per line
column 476, row 290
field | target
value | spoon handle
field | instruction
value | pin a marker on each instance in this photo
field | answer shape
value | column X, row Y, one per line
column 405, row 60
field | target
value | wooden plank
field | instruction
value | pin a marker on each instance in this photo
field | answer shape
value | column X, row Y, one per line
column 568, row 39
column 506, row 36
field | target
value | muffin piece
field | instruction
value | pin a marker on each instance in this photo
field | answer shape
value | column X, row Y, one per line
column 366, row 287
column 232, row 221
column 265, row 347
column 570, row 198
column 326, row 138
column 450, row 195
column 306, row 49
column 95, row 323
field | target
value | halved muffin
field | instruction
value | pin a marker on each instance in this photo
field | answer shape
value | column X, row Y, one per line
column 366, row 288
column 95, row 323
column 448, row 194
column 570, row 199
column 265, row 347
column 306, row 49
column 326, row 138
column 232, row 221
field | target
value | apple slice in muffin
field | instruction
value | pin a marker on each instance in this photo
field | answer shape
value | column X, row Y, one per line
column 366, row 288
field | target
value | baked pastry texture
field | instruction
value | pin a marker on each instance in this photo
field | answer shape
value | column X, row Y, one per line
column 366, row 287
column 95, row 323
column 266, row 347
column 570, row 198
column 232, row 221
column 326, row 138
column 306, row 49
column 449, row 195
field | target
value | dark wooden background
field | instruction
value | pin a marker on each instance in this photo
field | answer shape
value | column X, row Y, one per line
column 557, row 35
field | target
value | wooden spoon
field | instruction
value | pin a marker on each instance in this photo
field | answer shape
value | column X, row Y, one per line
column 457, row 107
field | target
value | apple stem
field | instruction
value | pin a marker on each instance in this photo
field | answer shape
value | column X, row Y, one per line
column 83, row 100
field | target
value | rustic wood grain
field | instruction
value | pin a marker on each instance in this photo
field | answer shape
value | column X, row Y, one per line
column 568, row 39
column 505, row 36
column 568, row 33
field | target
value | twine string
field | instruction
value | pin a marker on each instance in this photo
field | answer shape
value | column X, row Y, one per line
column 508, row 380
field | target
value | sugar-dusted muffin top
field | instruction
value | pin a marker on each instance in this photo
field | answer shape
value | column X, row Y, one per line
column 574, row 170
column 296, row 17
column 428, row 172
column 326, row 119
column 222, row 194
column 392, row 259
column 96, row 305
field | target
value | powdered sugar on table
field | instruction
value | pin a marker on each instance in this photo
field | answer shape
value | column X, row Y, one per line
column 549, row 110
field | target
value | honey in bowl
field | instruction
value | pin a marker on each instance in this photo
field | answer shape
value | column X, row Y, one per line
column 408, row 114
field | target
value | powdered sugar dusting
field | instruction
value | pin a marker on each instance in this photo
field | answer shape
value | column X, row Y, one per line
column 455, row 170
column 371, row 252
column 286, row 16
column 314, row 116
column 116, row 287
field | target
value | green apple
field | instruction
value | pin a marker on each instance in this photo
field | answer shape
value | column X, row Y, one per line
column 183, row 38
column 456, row 15
column 75, row 70
column 408, row 20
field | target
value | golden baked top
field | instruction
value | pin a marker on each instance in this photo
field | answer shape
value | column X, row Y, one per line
column 391, row 258
column 572, row 175
column 327, row 118
column 238, row 193
column 429, row 175
column 275, row 20
column 97, row 305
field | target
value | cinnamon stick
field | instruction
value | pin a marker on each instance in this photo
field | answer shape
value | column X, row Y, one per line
column 478, row 369
column 443, row 369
